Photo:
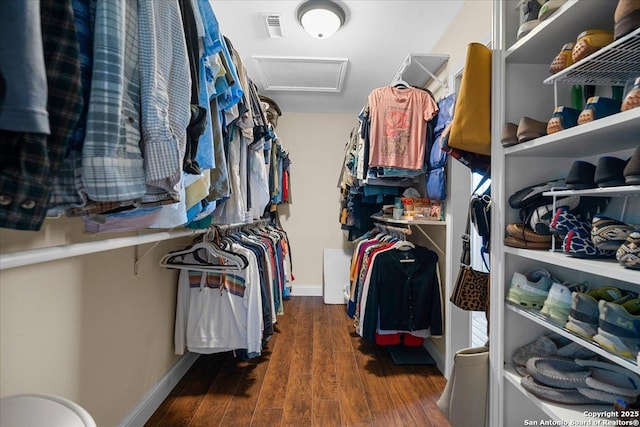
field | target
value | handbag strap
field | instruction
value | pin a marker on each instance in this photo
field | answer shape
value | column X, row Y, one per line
column 465, row 256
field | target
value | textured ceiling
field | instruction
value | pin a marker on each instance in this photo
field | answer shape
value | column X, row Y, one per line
column 376, row 38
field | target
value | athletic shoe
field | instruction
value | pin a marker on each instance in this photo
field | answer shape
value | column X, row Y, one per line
column 529, row 11
column 608, row 233
column 628, row 254
column 558, row 303
column 548, row 8
column 584, row 312
column 564, row 221
column 578, row 244
column 530, row 290
column 619, row 327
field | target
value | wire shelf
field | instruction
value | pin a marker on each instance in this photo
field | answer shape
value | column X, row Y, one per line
column 614, row 64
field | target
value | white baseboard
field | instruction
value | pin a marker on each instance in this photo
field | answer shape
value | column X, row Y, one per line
column 435, row 353
column 159, row 392
column 306, row 290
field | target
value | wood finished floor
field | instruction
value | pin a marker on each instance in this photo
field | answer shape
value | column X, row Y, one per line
column 315, row 371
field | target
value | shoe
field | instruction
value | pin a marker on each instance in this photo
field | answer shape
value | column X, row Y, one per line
column 589, row 42
column 529, row 129
column 548, row 8
column 628, row 254
column 584, row 312
column 579, row 245
column 619, row 327
column 598, row 107
column 609, row 382
column 631, row 171
column 626, row 17
column 530, row 290
column 610, row 172
column 524, row 232
column 558, row 303
column 564, row 221
column 547, row 345
column 516, row 242
column 581, row 176
column 632, row 99
column 608, row 233
column 542, row 215
column 563, row 59
column 563, row 118
column 529, row 11
column 509, row 135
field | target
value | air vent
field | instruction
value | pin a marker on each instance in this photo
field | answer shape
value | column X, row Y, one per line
column 275, row 25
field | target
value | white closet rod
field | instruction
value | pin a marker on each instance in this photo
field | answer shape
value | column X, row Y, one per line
column 52, row 253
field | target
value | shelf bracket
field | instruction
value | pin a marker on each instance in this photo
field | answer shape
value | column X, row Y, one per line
column 435, row 245
column 426, row 70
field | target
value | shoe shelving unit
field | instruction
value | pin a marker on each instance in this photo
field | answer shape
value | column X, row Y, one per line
column 522, row 86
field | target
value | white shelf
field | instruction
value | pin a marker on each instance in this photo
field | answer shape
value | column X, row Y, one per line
column 606, row 268
column 614, row 64
column 538, row 318
column 557, row 411
column 418, row 69
column 619, row 191
column 544, row 42
column 407, row 222
column 613, row 133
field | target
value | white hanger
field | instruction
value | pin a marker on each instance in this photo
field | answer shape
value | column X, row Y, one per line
column 191, row 259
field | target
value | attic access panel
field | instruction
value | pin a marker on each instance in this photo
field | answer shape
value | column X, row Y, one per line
column 301, row 74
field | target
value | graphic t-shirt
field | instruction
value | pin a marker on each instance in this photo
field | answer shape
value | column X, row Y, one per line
column 399, row 119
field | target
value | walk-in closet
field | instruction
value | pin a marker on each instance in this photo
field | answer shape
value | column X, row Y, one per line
column 319, row 213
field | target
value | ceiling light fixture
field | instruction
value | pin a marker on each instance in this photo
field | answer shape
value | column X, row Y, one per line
column 321, row 18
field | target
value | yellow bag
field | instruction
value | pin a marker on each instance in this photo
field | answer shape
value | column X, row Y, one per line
column 471, row 126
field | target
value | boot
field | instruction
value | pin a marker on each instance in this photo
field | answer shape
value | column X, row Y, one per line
column 626, row 17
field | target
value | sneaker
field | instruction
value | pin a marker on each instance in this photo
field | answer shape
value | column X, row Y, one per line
column 529, row 11
column 619, row 327
column 530, row 290
column 608, row 233
column 558, row 303
column 598, row 107
column 564, row 221
column 549, row 8
column 578, row 244
column 589, row 42
column 628, row 254
column 584, row 312
column 632, row 99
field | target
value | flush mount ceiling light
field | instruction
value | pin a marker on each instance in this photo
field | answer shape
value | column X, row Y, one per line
column 321, row 18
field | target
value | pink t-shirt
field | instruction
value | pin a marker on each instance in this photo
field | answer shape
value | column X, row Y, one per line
column 398, row 131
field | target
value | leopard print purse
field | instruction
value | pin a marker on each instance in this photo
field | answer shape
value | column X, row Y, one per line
column 471, row 290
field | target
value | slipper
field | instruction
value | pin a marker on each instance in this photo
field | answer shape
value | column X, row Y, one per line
column 558, row 372
column 529, row 129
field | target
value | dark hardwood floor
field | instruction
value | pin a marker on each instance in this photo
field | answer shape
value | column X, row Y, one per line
column 315, row 371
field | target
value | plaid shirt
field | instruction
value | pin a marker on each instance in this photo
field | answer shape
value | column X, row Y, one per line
column 112, row 165
column 166, row 92
column 25, row 183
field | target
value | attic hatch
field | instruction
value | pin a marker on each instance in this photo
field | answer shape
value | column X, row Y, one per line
column 301, row 74
column 275, row 25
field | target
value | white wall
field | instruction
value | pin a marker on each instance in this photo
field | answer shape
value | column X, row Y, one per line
column 86, row 328
column 316, row 144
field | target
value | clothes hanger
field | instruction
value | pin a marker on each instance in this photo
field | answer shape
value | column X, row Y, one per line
column 401, row 83
column 198, row 258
